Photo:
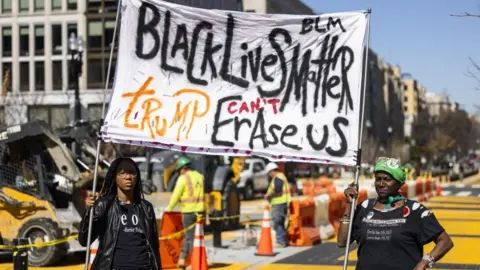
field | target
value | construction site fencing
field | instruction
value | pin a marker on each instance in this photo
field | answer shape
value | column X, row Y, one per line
column 27, row 174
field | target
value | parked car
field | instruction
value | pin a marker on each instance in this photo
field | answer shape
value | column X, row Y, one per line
column 253, row 179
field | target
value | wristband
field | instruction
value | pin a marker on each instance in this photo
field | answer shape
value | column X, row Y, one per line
column 429, row 259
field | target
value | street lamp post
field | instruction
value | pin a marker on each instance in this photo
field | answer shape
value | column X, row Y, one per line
column 76, row 51
column 390, row 140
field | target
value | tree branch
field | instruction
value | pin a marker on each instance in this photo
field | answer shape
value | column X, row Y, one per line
column 466, row 14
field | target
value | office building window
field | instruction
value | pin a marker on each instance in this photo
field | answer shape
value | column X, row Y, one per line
column 57, row 39
column 7, row 75
column 95, row 33
column 39, row 76
column 23, row 5
column 24, row 76
column 55, row 116
column 95, row 111
column 94, row 4
column 108, row 33
column 56, row 4
column 39, row 40
column 57, row 76
column 72, row 28
column 39, row 5
column 24, row 41
column 112, row 72
column 72, row 5
column 405, row 109
column 110, row 5
column 6, row 6
column 7, row 41
column 95, row 71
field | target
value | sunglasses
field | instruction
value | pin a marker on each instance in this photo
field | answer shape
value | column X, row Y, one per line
column 123, row 174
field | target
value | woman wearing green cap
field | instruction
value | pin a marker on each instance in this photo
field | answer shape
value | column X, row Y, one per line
column 392, row 230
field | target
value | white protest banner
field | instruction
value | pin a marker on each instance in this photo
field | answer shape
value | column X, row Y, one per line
column 286, row 87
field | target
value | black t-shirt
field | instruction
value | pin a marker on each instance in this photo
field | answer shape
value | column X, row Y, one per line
column 131, row 251
column 393, row 240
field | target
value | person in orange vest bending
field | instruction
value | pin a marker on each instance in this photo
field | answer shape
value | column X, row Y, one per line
column 278, row 195
column 189, row 192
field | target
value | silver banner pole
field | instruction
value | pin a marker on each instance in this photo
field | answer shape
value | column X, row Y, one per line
column 99, row 138
column 359, row 154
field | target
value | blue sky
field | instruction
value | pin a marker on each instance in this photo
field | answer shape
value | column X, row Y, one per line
column 424, row 40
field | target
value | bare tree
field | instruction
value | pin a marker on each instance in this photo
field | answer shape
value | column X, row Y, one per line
column 465, row 14
column 16, row 105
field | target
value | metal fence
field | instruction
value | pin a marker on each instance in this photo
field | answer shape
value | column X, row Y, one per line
column 27, row 175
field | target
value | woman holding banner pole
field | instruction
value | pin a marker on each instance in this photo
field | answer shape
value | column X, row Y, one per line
column 390, row 229
column 123, row 221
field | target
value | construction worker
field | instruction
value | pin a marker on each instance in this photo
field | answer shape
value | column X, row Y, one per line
column 278, row 195
column 189, row 191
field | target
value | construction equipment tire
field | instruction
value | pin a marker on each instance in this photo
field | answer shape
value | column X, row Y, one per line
column 48, row 230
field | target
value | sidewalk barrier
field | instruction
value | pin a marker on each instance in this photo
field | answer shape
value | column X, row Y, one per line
column 170, row 247
column 323, row 186
column 199, row 254
column 412, row 188
column 308, row 188
column 302, row 230
column 321, row 221
column 336, row 209
column 93, row 252
column 265, row 247
column 404, row 191
column 420, row 186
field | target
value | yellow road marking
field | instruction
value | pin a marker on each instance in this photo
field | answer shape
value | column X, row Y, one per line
column 461, row 253
column 451, row 205
column 226, row 266
column 455, row 199
column 309, row 267
column 456, row 214
column 461, row 227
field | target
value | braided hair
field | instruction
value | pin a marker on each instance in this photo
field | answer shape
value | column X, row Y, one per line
column 109, row 187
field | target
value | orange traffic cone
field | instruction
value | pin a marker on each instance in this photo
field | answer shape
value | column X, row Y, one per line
column 199, row 254
column 439, row 190
column 93, row 253
column 265, row 245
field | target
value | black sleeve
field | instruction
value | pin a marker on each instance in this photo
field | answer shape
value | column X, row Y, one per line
column 155, row 241
column 430, row 228
column 98, row 218
column 357, row 221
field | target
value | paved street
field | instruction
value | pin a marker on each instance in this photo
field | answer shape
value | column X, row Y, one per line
column 459, row 213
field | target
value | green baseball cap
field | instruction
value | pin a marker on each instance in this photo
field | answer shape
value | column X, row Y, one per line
column 392, row 167
column 181, row 162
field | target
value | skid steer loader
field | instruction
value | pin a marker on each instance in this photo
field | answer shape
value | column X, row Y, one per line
column 40, row 191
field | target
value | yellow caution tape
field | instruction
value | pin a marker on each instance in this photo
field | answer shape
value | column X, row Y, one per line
column 166, row 237
column 43, row 244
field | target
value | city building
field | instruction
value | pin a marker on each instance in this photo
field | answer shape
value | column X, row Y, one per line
column 375, row 117
column 35, row 58
column 410, row 103
column 437, row 104
column 277, row 7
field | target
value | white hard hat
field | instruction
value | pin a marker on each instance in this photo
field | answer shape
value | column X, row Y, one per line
column 271, row 166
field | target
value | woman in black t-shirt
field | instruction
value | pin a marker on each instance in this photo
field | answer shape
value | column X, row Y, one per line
column 392, row 230
column 123, row 222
